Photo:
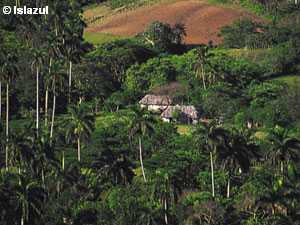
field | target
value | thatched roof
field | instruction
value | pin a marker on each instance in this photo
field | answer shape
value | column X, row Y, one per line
column 162, row 100
column 188, row 110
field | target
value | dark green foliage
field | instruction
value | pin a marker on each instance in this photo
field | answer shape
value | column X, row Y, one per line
column 154, row 73
column 284, row 57
column 244, row 33
column 164, row 37
column 118, row 56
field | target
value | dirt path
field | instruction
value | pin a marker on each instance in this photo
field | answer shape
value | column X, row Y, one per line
column 202, row 21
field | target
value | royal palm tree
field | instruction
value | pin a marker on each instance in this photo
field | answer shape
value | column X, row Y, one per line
column 114, row 163
column 234, row 152
column 73, row 45
column 9, row 72
column 56, row 75
column 22, row 199
column 284, row 148
column 203, row 55
column 141, row 126
column 30, row 197
column 39, row 56
column 21, row 147
column 206, row 140
column 54, row 52
column 45, row 158
column 79, row 126
column 163, row 190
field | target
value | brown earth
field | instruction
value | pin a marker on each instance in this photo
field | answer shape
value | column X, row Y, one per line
column 202, row 20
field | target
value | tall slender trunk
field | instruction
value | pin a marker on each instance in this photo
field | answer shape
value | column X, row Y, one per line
column 228, row 187
column 212, row 174
column 63, row 160
column 22, row 220
column 6, row 130
column 78, row 149
column 47, row 96
column 19, row 172
column 43, row 178
column 203, row 78
column 37, row 100
column 53, row 109
column 70, row 80
column 17, row 3
column 141, row 159
column 166, row 211
column 46, row 105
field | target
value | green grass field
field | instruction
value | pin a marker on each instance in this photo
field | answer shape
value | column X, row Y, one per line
column 184, row 129
column 255, row 8
column 290, row 79
column 100, row 38
column 255, row 55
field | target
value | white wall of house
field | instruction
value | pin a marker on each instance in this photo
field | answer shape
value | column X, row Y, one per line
column 155, row 108
column 166, row 120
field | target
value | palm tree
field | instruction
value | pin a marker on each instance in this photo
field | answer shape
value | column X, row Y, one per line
column 234, row 151
column 39, row 56
column 22, row 197
column 114, row 163
column 29, row 199
column 141, row 126
column 163, row 190
column 21, row 148
column 56, row 75
column 206, row 141
column 73, row 47
column 44, row 155
column 79, row 125
column 54, row 52
column 9, row 72
column 284, row 148
column 202, row 60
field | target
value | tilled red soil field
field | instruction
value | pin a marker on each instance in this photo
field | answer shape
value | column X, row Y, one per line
column 202, row 21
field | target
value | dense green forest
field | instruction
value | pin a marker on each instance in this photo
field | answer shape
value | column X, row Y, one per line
column 76, row 147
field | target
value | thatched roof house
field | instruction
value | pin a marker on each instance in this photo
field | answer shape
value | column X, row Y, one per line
column 188, row 113
column 156, row 102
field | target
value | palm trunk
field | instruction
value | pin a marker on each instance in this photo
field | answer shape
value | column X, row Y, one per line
column 63, row 161
column 22, row 220
column 6, row 130
column 19, row 172
column 78, row 149
column 212, row 174
column 43, row 178
column 70, row 80
column 47, row 96
column 281, row 167
column 46, row 106
column 141, row 159
column 203, row 78
column 166, row 210
column 37, row 100
column 228, row 188
column 53, row 110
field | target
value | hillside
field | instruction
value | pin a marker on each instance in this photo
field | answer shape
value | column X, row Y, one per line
column 202, row 20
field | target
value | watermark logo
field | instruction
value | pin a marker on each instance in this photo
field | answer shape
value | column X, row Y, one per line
column 8, row 10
